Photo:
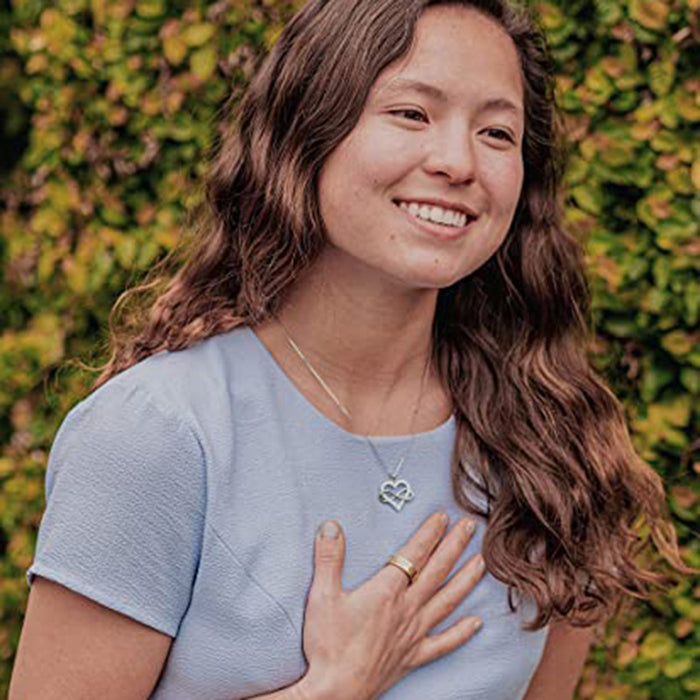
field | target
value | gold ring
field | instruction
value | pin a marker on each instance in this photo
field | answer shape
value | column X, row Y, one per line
column 408, row 567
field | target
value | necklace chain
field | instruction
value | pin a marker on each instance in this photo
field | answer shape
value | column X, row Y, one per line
column 393, row 492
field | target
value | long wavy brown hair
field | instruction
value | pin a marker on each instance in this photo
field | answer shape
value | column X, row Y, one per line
column 568, row 497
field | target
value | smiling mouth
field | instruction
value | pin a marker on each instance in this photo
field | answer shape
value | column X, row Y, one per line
column 444, row 231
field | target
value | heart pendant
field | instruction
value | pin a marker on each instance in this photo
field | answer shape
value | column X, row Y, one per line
column 396, row 493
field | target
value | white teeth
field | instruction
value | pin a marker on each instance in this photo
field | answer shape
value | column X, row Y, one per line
column 438, row 215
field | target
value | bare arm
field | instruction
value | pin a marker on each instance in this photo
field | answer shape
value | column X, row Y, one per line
column 562, row 662
column 73, row 647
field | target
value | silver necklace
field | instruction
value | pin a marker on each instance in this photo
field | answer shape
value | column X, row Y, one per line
column 394, row 492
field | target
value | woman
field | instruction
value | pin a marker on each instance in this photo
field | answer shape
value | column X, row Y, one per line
column 382, row 319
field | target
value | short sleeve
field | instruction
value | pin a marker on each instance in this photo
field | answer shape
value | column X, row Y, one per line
column 125, row 507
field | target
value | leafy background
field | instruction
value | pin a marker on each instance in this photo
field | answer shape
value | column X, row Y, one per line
column 107, row 108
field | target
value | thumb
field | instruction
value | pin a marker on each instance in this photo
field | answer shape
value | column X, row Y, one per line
column 329, row 557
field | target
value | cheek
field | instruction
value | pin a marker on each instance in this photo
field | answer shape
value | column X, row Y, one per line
column 343, row 188
column 338, row 189
column 351, row 170
column 382, row 153
column 505, row 181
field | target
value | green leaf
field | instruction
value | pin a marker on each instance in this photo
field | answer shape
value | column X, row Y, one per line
column 627, row 100
column 679, row 180
column 599, row 84
column 687, row 607
column 690, row 379
column 654, row 378
column 661, row 270
column 618, row 154
column 656, row 645
column 691, row 681
column 150, row 9
column 125, row 250
column 578, row 169
column 609, row 12
column 644, row 670
column 195, row 35
column 203, row 62
column 662, row 74
column 691, row 300
column 589, row 197
column 668, row 112
column 686, row 105
column 651, row 14
column 174, row 49
column 666, row 142
column 620, row 327
column 679, row 343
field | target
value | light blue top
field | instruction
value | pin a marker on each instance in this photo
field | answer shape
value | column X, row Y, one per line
column 186, row 492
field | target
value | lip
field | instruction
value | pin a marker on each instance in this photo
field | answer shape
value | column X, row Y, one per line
column 447, row 233
column 445, row 204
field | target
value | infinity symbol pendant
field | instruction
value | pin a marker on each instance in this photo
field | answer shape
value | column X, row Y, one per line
column 396, row 493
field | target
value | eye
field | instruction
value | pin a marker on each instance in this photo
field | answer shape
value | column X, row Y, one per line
column 408, row 111
column 504, row 135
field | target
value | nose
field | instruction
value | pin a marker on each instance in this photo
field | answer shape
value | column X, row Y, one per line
column 452, row 154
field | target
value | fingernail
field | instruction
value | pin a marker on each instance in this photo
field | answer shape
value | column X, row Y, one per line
column 444, row 518
column 329, row 529
column 470, row 526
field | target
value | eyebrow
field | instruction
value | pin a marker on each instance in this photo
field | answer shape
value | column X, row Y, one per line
column 409, row 84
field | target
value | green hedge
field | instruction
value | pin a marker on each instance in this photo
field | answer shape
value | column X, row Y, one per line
column 122, row 100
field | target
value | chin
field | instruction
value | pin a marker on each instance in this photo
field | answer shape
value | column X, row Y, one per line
column 430, row 279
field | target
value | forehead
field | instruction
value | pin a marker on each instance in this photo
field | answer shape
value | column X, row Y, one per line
column 458, row 54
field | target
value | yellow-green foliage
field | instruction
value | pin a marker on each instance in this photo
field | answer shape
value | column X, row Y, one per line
column 123, row 98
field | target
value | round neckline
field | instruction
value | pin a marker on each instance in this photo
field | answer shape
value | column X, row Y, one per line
column 322, row 418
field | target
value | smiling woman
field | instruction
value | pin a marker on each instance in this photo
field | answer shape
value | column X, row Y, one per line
column 381, row 317
column 462, row 76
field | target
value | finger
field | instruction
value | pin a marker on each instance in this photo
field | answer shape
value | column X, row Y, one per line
column 446, row 600
column 329, row 557
column 436, row 645
column 417, row 550
column 441, row 563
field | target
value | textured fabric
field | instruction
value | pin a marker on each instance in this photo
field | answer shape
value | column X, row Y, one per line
column 186, row 492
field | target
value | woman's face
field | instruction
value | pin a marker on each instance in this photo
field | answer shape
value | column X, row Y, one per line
column 414, row 146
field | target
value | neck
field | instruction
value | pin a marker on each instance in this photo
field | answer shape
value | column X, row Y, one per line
column 364, row 341
column 367, row 340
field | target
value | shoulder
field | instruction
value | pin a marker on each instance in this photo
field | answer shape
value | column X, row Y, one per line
column 122, row 438
column 153, row 423
column 188, row 386
column 161, row 415
column 176, row 379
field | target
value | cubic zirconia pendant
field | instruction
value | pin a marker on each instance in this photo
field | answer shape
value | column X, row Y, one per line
column 396, row 493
